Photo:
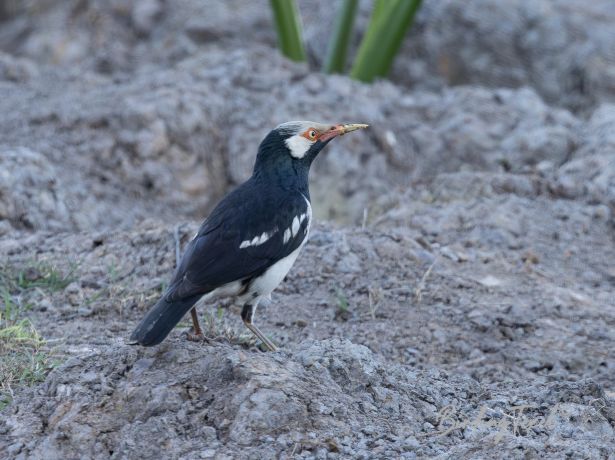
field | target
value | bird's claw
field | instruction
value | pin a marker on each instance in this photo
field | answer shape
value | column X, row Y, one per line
column 198, row 337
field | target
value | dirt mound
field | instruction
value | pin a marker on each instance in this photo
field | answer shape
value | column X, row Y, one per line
column 559, row 47
column 30, row 196
column 469, row 312
column 175, row 141
column 329, row 398
column 486, row 319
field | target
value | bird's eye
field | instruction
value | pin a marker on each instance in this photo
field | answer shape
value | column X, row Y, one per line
column 311, row 134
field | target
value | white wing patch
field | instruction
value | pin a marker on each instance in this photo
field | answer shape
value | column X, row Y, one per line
column 297, row 221
column 309, row 215
column 298, row 145
column 294, row 228
column 258, row 240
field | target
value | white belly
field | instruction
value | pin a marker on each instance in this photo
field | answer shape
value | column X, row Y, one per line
column 268, row 281
column 227, row 290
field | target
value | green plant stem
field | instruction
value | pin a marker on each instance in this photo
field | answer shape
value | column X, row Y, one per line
column 288, row 26
column 379, row 7
column 335, row 60
column 384, row 36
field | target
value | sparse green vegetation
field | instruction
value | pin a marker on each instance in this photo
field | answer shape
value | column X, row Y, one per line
column 342, row 300
column 374, row 297
column 343, row 312
column 288, row 25
column 335, row 61
column 38, row 274
column 24, row 357
column 388, row 25
column 387, row 28
column 216, row 328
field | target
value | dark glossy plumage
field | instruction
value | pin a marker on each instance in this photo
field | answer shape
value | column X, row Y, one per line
column 214, row 257
column 274, row 195
column 252, row 237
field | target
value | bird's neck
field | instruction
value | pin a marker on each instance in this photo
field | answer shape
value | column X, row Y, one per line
column 293, row 179
column 274, row 166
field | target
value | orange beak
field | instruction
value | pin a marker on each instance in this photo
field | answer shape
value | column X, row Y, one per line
column 340, row 130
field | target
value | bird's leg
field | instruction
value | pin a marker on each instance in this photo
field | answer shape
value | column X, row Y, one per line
column 196, row 326
column 197, row 333
column 247, row 313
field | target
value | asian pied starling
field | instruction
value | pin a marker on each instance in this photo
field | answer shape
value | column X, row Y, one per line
column 253, row 236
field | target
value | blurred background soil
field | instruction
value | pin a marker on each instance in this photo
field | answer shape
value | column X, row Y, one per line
column 464, row 260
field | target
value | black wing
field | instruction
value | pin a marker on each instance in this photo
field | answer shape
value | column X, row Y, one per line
column 214, row 257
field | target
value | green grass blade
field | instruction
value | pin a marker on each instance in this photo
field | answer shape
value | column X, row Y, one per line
column 335, row 60
column 379, row 7
column 383, row 38
column 288, row 25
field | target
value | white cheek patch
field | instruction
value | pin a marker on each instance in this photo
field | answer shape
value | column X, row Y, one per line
column 257, row 240
column 298, row 145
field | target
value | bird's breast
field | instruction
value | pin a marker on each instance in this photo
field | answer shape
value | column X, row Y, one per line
column 273, row 276
column 299, row 227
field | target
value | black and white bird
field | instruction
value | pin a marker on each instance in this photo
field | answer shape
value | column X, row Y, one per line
column 252, row 238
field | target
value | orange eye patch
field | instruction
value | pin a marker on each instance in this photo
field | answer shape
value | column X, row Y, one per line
column 311, row 134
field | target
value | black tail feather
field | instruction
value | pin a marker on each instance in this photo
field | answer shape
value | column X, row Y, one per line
column 160, row 320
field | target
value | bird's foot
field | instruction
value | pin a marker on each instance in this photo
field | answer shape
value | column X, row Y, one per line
column 269, row 346
column 196, row 337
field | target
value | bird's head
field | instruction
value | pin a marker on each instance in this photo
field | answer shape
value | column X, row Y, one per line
column 295, row 144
